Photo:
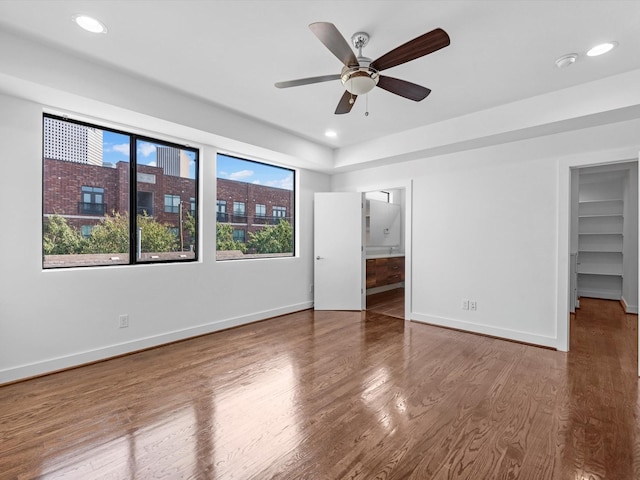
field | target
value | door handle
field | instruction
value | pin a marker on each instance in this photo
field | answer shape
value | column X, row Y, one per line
column 319, row 258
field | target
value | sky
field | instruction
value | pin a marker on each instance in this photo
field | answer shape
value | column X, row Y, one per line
column 115, row 148
column 247, row 171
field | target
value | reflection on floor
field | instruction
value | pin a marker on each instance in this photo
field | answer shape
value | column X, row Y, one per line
column 389, row 303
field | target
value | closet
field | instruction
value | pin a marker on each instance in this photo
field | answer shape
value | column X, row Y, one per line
column 606, row 237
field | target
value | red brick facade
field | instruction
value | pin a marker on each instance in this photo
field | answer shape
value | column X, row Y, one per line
column 251, row 195
column 63, row 182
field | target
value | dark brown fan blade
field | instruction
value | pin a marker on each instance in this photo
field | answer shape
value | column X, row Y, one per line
column 329, row 35
column 416, row 48
column 403, row 88
column 344, row 105
column 307, row 81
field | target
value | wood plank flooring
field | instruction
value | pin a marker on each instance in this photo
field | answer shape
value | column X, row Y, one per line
column 389, row 303
column 339, row 395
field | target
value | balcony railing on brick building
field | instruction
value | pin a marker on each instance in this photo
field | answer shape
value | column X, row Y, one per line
column 92, row 208
column 264, row 220
column 238, row 218
column 224, row 217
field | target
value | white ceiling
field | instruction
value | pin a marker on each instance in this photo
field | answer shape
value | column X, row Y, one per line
column 232, row 52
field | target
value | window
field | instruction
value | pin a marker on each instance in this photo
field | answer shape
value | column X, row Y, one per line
column 193, row 207
column 92, row 201
column 172, row 203
column 145, row 203
column 85, row 230
column 238, row 208
column 280, row 212
column 238, row 213
column 221, row 211
column 270, row 230
column 238, row 235
column 121, row 176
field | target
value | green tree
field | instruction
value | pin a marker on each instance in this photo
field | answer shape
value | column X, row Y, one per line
column 60, row 238
column 156, row 237
column 224, row 238
column 189, row 226
column 273, row 239
column 110, row 236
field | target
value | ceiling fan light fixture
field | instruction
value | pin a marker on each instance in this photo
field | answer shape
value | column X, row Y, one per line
column 359, row 81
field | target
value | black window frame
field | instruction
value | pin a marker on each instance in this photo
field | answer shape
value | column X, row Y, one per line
column 134, row 138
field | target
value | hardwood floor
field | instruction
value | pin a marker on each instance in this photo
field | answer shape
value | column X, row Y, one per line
column 389, row 303
column 339, row 395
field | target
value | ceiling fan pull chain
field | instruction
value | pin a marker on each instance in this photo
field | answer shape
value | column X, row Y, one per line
column 366, row 111
column 351, row 100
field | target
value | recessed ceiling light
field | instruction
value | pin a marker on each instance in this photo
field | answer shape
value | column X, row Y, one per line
column 601, row 49
column 90, row 24
column 330, row 134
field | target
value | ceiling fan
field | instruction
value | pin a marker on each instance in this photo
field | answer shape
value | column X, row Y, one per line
column 359, row 74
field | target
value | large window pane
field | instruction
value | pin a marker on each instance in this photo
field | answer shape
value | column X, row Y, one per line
column 88, row 197
column 167, row 174
column 85, row 195
column 262, row 220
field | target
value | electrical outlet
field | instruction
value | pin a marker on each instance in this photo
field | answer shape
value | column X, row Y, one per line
column 123, row 321
column 311, row 288
column 465, row 304
column 473, row 305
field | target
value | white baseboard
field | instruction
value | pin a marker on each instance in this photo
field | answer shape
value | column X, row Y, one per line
column 507, row 334
column 628, row 308
column 384, row 288
column 604, row 294
column 80, row 358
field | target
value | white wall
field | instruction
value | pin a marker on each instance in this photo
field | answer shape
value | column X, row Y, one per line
column 59, row 318
column 492, row 225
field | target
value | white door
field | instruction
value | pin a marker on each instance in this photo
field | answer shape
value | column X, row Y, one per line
column 338, row 251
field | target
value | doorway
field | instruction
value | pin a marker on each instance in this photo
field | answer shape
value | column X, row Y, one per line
column 603, row 235
column 385, row 251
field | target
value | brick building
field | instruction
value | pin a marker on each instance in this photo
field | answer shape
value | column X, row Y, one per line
column 83, row 193
column 250, row 207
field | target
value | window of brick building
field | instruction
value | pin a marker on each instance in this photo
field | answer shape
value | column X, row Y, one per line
column 172, row 203
column 268, row 222
column 280, row 212
column 221, row 211
column 239, row 235
column 144, row 205
column 85, row 230
column 92, row 201
column 94, row 214
column 238, row 208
